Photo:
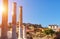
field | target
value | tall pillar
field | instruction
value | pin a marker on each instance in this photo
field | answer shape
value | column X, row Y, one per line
column 5, row 20
column 20, row 25
column 14, row 22
column 21, row 19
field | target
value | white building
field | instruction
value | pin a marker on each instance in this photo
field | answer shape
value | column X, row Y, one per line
column 53, row 27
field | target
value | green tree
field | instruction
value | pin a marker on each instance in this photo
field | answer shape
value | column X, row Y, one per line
column 48, row 32
column 51, row 32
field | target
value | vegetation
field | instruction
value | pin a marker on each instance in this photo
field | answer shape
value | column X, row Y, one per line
column 49, row 33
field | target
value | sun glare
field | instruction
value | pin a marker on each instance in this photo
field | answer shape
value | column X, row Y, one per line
column 1, row 9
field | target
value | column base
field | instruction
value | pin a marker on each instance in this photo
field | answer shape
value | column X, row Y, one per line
column 20, row 38
column 24, row 38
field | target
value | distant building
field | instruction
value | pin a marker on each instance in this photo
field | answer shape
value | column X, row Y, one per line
column 53, row 27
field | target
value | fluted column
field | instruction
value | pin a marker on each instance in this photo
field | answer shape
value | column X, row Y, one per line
column 14, row 22
column 4, row 20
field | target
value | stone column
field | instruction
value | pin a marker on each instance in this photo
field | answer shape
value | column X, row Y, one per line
column 20, row 24
column 14, row 36
column 4, row 20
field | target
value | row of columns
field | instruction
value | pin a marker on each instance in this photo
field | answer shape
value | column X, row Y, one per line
column 4, row 28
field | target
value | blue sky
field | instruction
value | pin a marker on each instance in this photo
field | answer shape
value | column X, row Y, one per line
column 43, row 12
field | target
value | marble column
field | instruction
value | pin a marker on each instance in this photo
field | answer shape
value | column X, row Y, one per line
column 14, row 36
column 20, row 24
column 4, row 20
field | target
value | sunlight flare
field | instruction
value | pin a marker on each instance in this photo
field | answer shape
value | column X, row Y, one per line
column 2, row 9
